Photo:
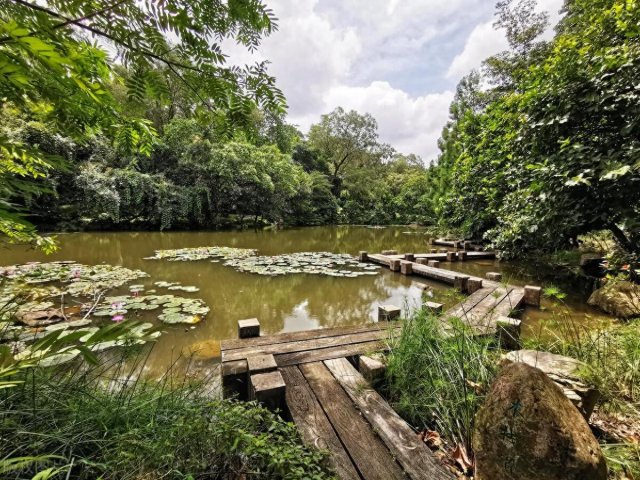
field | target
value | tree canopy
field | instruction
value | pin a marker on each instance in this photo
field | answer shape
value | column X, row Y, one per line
column 52, row 72
column 552, row 150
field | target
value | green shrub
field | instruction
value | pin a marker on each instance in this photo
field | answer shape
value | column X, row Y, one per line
column 438, row 381
column 90, row 423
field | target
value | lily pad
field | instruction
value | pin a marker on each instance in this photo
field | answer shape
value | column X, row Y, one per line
column 315, row 263
column 179, row 318
column 201, row 253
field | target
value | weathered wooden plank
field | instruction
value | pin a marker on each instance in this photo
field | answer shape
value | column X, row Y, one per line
column 503, row 306
column 446, row 276
column 445, row 243
column 405, row 445
column 380, row 259
column 475, row 317
column 313, row 424
column 320, row 354
column 509, row 303
column 311, row 344
column 232, row 344
column 443, row 256
column 458, row 280
column 462, row 308
column 370, row 455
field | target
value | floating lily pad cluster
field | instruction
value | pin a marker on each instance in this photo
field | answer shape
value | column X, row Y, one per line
column 317, row 263
column 201, row 253
column 247, row 260
column 31, row 306
column 76, row 279
column 177, row 286
column 174, row 309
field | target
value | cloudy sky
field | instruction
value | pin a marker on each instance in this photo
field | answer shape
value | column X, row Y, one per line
column 399, row 60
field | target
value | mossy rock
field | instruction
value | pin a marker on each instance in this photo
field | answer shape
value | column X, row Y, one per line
column 619, row 298
column 528, row 430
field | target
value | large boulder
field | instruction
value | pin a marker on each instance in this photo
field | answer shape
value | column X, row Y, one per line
column 619, row 298
column 528, row 430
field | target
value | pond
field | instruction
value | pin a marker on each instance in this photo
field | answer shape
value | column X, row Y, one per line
column 291, row 302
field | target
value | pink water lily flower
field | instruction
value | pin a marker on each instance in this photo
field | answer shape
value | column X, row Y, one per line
column 118, row 318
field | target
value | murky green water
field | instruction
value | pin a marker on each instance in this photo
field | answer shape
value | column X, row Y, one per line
column 284, row 303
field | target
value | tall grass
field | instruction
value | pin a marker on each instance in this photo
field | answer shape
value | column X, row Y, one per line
column 438, row 381
column 104, row 422
column 610, row 353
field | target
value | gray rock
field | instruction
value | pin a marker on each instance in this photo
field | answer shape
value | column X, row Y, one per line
column 564, row 372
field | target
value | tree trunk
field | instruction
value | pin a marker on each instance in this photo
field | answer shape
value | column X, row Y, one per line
column 621, row 238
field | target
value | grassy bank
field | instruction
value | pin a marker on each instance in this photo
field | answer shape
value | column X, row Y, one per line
column 438, row 383
column 91, row 423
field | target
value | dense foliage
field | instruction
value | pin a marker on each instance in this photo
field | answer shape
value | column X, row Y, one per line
column 68, row 425
column 437, row 381
column 550, row 150
column 50, row 72
column 541, row 146
column 196, row 177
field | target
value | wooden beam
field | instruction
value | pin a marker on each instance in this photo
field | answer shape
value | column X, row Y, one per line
column 532, row 295
column 371, row 456
column 494, row 276
column 313, row 424
column 227, row 345
column 387, row 313
column 406, row 267
column 268, row 389
column 303, row 345
column 295, row 358
column 406, row 446
column 248, row 328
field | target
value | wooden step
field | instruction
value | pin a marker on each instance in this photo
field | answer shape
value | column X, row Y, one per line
column 313, row 424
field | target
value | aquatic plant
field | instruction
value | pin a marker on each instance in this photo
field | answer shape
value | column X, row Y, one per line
column 28, row 312
column 315, row 263
column 201, row 253
column 246, row 260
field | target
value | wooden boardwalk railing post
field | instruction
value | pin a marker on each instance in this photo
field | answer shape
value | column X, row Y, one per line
column 248, row 328
column 388, row 312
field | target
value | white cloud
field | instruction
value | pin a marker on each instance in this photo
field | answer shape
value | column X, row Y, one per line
column 409, row 124
column 483, row 42
column 398, row 60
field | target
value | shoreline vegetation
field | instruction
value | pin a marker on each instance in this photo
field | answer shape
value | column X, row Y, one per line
column 439, row 382
column 106, row 422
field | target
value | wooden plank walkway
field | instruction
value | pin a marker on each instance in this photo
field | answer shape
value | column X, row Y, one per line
column 334, row 407
column 442, row 257
column 462, row 282
column 331, row 403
